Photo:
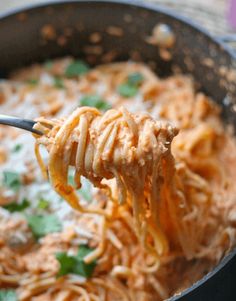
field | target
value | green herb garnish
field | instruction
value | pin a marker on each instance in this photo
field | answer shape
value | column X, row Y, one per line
column 43, row 204
column 127, row 90
column 17, row 207
column 135, row 78
column 11, row 180
column 42, row 225
column 95, row 101
column 32, row 81
column 76, row 68
column 48, row 64
column 67, row 263
column 7, row 295
column 76, row 264
column 58, row 83
column 130, row 87
column 17, row 148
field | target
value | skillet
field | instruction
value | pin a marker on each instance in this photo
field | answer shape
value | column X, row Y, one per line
column 211, row 63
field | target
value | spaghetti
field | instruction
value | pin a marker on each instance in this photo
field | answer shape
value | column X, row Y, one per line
column 196, row 214
column 131, row 148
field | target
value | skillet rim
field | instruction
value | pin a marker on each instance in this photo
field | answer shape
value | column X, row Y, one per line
column 136, row 3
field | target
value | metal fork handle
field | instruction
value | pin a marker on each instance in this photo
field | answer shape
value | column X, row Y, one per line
column 25, row 124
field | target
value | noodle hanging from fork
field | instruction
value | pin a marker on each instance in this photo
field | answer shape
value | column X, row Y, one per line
column 133, row 149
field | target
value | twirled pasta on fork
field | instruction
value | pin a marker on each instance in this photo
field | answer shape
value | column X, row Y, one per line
column 133, row 149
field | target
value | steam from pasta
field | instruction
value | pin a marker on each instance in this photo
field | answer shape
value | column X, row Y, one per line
column 133, row 149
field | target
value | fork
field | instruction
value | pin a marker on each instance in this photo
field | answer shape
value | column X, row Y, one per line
column 21, row 123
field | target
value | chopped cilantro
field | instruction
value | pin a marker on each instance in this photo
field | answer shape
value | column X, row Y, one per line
column 42, row 225
column 67, row 263
column 43, row 204
column 135, row 78
column 76, row 264
column 11, row 180
column 82, row 268
column 7, row 295
column 17, row 148
column 83, row 251
column 58, row 83
column 17, row 207
column 48, row 64
column 127, row 90
column 95, row 101
column 76, row 68
column 130, row 87
column 32, row 81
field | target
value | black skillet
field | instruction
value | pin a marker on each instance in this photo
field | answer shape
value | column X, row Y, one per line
column 211, row 63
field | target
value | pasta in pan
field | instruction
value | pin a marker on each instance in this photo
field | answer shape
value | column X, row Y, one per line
column 129, row 239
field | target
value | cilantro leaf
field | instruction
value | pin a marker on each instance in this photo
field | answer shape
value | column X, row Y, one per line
column 76, row 68
column 82, row 268
column 67, row 263
column 48, row 64
column 135, row 78
column 7, row 295
column 42, row 225
column 95, row 101
column 17, row 148
column 127, row 90
column 11, row 180
column 33, row 81
column 58, row 83
column 43, row 204
column 83, row 251
column 17, row 207
column 76, row 264
column 130, row 88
